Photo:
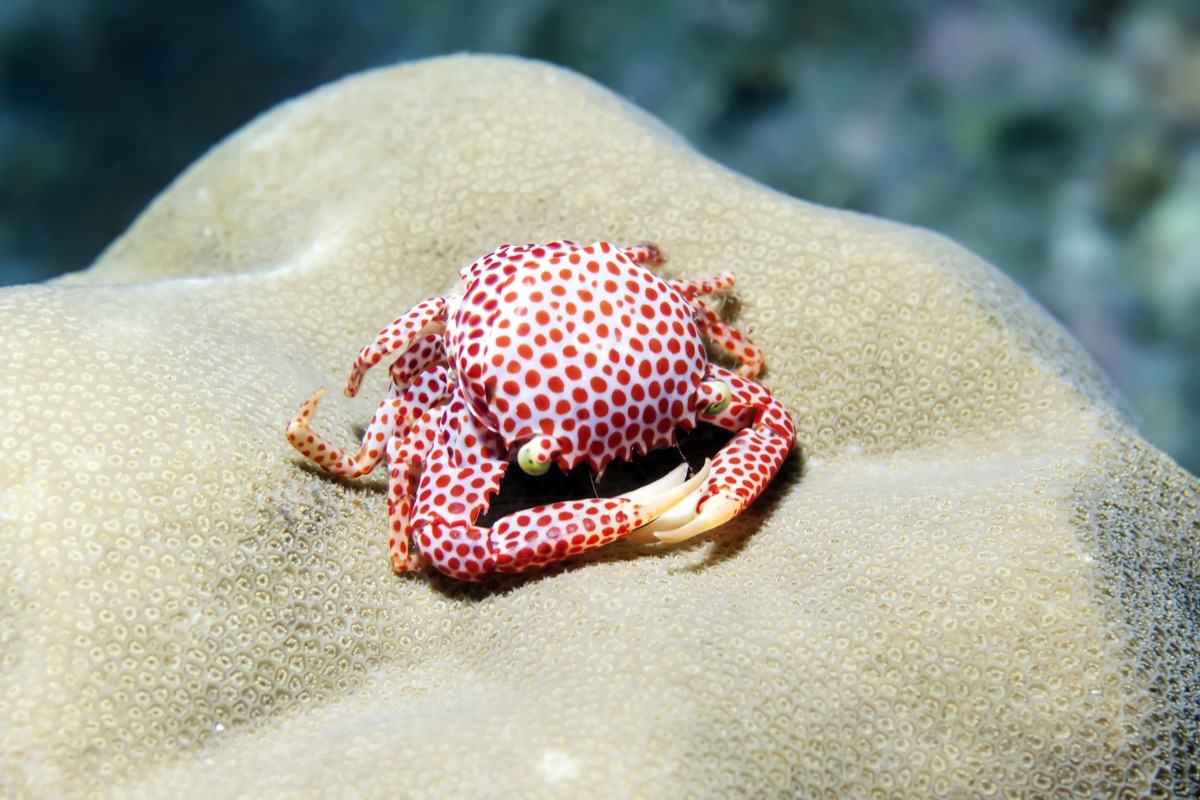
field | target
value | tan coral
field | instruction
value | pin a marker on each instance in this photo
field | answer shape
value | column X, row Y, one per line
column 978, row 581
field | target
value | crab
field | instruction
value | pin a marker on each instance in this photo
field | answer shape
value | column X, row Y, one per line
column 555, row 354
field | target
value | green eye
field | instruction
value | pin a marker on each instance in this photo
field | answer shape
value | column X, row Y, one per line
column 723, row 403
column 528, row 456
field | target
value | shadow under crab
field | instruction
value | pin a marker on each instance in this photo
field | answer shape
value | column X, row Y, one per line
column 520, row 490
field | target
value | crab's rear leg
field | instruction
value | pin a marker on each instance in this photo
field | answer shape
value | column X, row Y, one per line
column 427, row 317
column 462, row 469
column 729, row 339
column 712, row 327
column 717, row 330
column 742, row 468
column 645, row 255
column 397, row 410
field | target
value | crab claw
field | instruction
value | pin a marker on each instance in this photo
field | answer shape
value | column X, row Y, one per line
column 740, row 470
column 551, row 533
column 683, row 521
column 666, row 493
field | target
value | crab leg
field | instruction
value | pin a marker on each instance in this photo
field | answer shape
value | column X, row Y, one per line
column 462, row 468
column 717, row 330
column 407, row 451
column 743, row 467
column 729, row 339
column 427, row 317
column 550, row 533
column 691, row 289
column 398, row 409
column 644, row 255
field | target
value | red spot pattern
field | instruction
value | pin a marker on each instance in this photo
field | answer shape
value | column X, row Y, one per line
column 586, row 299
column 581, row 345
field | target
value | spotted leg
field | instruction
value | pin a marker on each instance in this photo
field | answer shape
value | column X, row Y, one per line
column 407, row 451
column 645, row 255
column 717, row 330
column 742, row 468
column 729, row 339
column 397, row 409
column 427, row 317
column 691, row 289
column 462, row 468
column 712, row 327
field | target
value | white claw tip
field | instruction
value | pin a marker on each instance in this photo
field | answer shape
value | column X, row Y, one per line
column 665, row 495
column 719, row 508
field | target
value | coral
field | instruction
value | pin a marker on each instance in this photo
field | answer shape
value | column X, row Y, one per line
column 977, row 579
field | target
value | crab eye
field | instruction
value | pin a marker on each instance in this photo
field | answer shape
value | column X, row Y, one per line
column 726, row 395
column 535, row 456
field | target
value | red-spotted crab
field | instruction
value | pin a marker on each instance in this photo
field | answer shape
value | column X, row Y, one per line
column 555, row 354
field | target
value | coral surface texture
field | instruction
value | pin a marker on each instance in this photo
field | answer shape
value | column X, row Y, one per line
column 973, row 578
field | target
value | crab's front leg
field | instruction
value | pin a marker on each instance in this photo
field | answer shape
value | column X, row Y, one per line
column 462, row 467
column 742, row 468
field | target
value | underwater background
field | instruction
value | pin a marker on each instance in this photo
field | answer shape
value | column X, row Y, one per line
column 1061, row 141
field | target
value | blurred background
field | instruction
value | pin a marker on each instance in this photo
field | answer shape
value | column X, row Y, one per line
column 1061, row 141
